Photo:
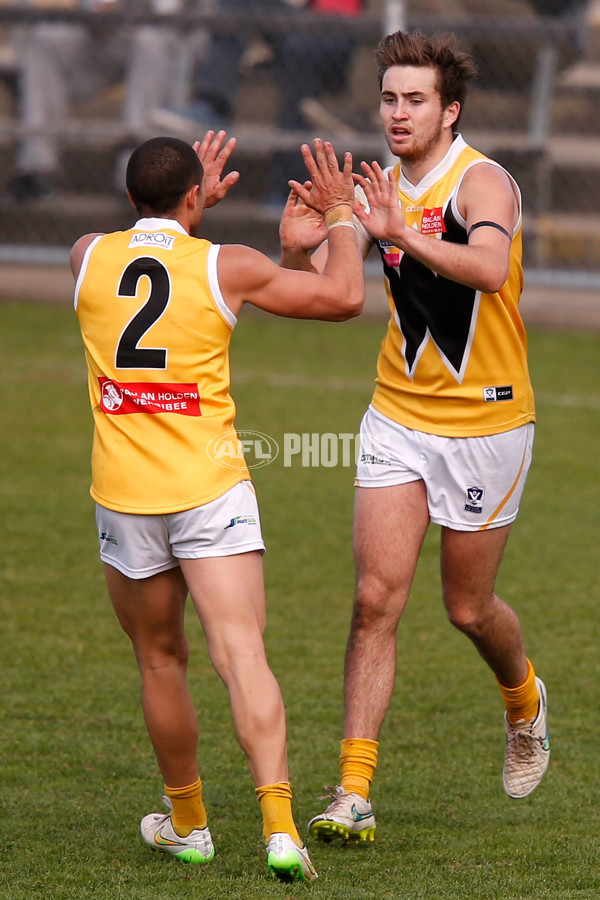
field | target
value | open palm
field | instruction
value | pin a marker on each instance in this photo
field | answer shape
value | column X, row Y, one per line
column 383, row 217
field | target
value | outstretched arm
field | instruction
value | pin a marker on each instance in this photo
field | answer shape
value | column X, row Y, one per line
column 486, row 194
column 247, row 276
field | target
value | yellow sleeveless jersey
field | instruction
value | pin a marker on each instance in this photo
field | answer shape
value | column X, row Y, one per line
column 156, row 332
column 454, row 360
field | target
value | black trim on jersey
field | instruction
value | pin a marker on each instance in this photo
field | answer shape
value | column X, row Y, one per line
column 426, row 301
column 490, row 225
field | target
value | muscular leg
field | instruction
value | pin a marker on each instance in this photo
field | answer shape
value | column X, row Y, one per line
column 469, row 564
column 389, row 528
column 228, row 593
column 151, row 612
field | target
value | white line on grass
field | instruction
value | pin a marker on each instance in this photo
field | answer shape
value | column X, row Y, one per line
column 289, row 380
column 286, row 379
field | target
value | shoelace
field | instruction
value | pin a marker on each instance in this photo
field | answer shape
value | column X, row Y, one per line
column 337, row 795
column 521, row 744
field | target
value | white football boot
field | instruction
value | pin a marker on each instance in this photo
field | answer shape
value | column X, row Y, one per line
column 527, row 750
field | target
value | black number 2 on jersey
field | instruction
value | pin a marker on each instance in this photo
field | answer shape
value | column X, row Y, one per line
column 129, row 355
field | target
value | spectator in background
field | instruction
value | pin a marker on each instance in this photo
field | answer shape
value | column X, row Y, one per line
column 307, row 64
column 68, row 62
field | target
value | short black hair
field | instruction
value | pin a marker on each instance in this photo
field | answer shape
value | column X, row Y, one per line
column 160, row 172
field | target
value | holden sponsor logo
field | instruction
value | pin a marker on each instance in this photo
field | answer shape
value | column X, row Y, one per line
column 232, row 448
column 433, row 221
column 122, row 398
column 112, row 396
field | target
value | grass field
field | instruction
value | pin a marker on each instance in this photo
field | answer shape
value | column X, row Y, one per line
column 76, row 769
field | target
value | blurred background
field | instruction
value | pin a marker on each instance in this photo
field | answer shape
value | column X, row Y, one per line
column 81, row 83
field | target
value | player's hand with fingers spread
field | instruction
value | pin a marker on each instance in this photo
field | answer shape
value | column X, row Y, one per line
column 384, row 218
column 329, row 186
column 214, row 157
column 301, row 228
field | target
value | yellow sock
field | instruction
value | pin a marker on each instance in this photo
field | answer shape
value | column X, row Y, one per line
column 276, row 807
column 521, row 702
column 188, row 809
column 358, row 760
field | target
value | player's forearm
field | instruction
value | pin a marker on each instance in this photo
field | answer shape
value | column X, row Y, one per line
column 345, row 268
column 479, row 267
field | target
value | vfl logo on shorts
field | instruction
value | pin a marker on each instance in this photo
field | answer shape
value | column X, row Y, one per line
column 474, row 499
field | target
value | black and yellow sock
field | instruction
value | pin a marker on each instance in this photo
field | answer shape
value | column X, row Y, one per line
column 521, row 702
column 358, row 760
column 276, row 807
column 188, row 809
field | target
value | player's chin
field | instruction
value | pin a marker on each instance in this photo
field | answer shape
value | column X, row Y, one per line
column 400, row 145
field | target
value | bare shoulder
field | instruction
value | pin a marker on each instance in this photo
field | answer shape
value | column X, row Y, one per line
column 79, row 249
column 486, row 175
column 242, row 268
column 488, row 191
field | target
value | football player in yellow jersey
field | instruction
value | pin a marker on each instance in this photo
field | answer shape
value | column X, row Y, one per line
column 157, row 306
column 448, row 435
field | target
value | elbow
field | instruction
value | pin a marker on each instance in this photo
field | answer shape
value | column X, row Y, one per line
column 352, row 307
column 492, row 280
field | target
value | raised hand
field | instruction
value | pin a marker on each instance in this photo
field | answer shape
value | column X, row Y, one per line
column 384, row 217
column 301, row 228
column 214, row 157
column 329, row 186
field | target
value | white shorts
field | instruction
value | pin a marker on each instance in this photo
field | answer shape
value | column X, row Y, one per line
column 472, row 483
column 140, row 545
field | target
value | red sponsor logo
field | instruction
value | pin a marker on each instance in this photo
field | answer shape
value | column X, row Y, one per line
column 433, row 221
column 124, row 398
column 391, row 254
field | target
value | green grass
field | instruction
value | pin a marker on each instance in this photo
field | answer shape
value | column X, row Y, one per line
column 76, row 769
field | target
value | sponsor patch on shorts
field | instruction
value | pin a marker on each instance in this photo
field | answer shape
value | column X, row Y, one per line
column 494, row 394
column 371, row 459
column 474, row 499
column 241, row 520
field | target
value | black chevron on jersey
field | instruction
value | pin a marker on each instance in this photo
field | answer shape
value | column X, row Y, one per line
column 428, row 303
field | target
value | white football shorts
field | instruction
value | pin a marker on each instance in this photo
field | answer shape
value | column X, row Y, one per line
column 141, row 545
column 472, row 483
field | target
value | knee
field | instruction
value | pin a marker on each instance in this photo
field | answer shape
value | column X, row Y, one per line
column 376, row 604
column 466, row 614
column 154, row 655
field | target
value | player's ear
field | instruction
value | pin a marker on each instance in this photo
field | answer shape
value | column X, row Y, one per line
column 451, row 113
column 195, row 195
column 131, row 200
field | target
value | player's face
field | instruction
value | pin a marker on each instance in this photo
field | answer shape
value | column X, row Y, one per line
column 414, row 121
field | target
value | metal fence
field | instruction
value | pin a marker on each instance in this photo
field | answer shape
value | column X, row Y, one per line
column 82, row 82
